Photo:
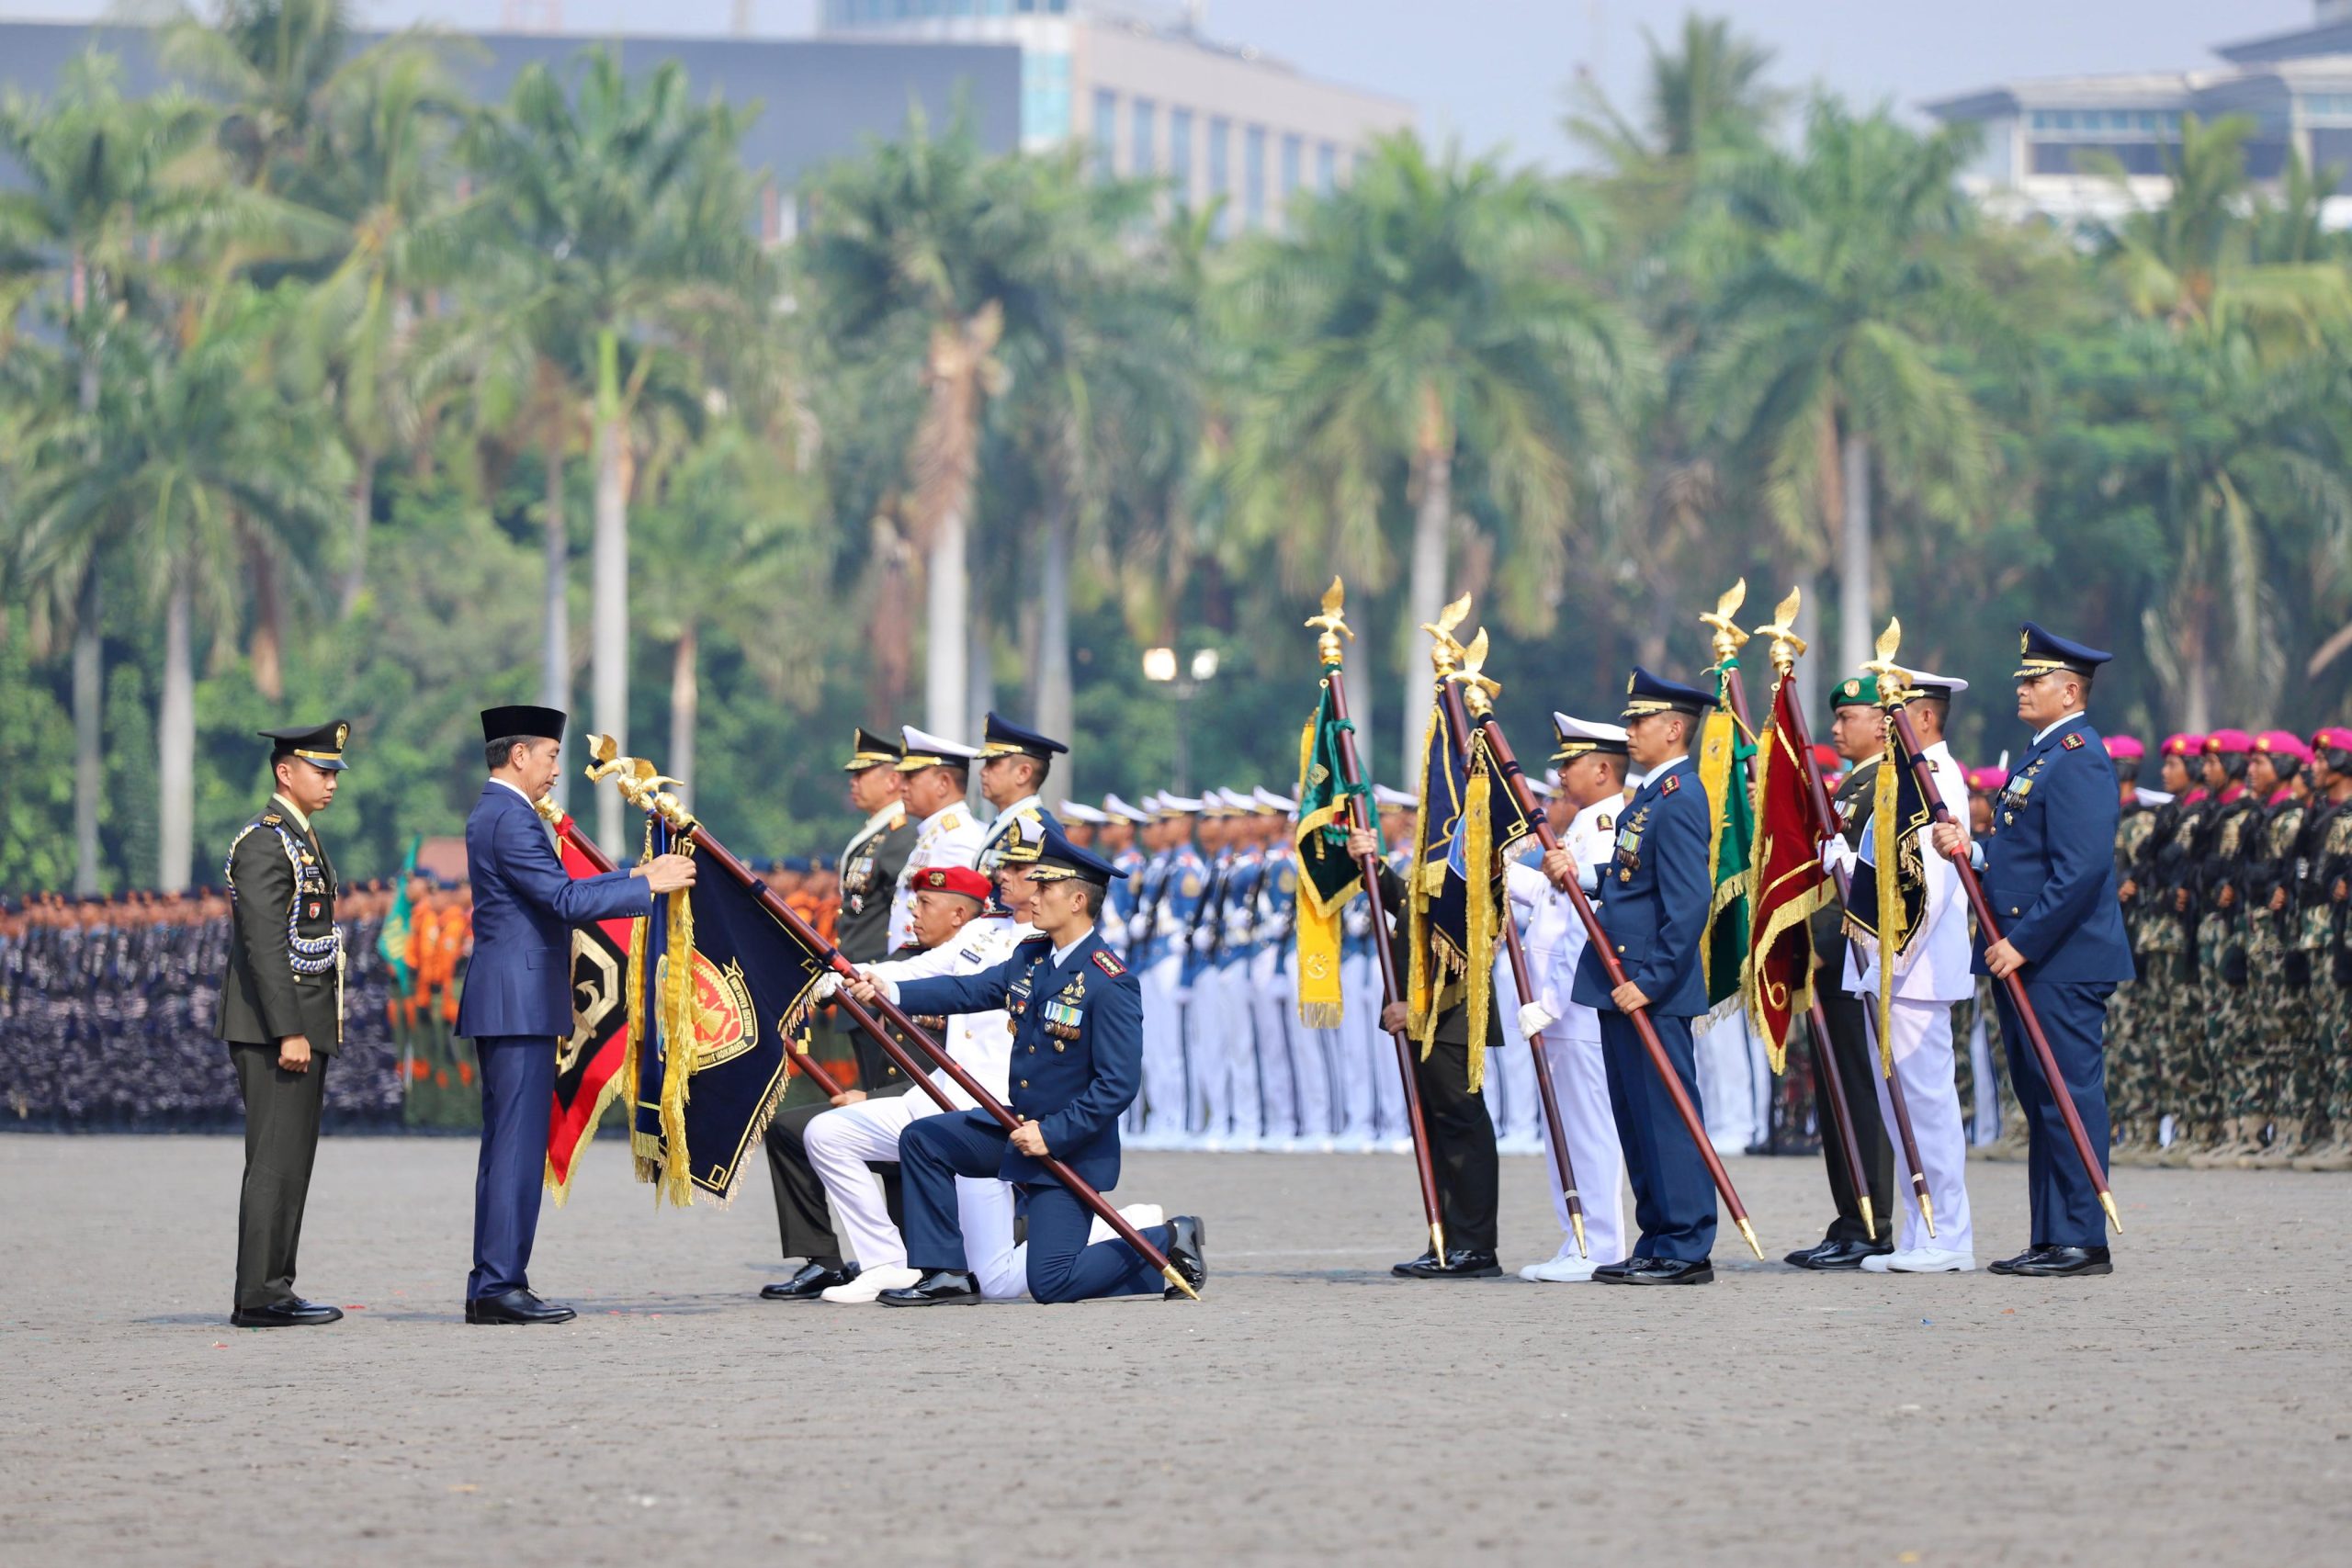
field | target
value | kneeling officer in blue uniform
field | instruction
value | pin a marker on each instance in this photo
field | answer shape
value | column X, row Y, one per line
column 1076, row 1018
column 1654, row 894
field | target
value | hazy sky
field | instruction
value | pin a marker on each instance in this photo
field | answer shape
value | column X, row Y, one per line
column 1492, row 70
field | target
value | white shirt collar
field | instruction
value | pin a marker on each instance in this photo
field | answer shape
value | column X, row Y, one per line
column 1027, row 803
column 1062, row 953
column 517, row 789
column 882, row 817
column 301, row 819
column 1662, row 769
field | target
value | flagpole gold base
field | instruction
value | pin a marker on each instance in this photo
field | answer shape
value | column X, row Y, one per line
column 2107, row 1201
column 1576, row 1222
column 1437, row 1240
column 1870, row 1216
column 1749, row 1231
column 1174, row 1278
column 1926, row 1205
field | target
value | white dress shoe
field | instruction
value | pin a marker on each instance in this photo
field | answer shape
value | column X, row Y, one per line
column 1567, row 1269
column 1142, row 1216
column 1921, row 1260
column 870, row 1283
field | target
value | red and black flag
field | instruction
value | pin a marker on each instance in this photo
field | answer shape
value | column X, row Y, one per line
column 1787, row 882
column 588, row 1065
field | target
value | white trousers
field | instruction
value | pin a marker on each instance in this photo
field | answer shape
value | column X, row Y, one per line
column 1580, row 1083
column 843, row 1139
column 1923, row 1059
column 1238, row 1028
column 1205, row 1050
column 1510, row 1072
column 1163, row 1048
column 1988, row 1087
column 1360, row 1043
column 1727, row 1085
column 1281, row 1044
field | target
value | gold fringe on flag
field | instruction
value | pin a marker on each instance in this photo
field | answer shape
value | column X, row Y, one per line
column 1322, row 1002
column 1478, row 964
column 1884, row 837
column 645, row 1151
column 677, row 1043
column 1421, row 986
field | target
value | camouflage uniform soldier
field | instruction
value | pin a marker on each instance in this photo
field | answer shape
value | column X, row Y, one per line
column 2131, row 1069
column 2159, row 889
column 2216, row 906
column 2276, row 1018
column 2323, row 1072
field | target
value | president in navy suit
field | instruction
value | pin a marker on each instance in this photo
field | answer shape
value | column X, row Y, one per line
column 1654, row 889
column 518, row 999
column 2048, row 867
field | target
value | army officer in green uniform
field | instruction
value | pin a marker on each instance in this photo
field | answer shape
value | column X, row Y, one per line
column 282, row 1014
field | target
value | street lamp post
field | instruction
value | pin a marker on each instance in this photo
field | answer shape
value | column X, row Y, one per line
column 1160, row 667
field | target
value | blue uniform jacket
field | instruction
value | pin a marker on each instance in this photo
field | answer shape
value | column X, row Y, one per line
column 1654, row 898
column 1077, row 1047
column 2050, row 862
column 525, row 907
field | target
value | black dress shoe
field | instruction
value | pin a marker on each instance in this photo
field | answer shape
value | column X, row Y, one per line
column 1412, row 1269
column 2011, row 1265
column 939, row 1287
column 1836, row 1255
column 2058, row 1262
column 1640, row 1270
column 517, row 1305
column 812, row 1280
column 295, row 1313
column 1461, row 1263
column 1185, row 1236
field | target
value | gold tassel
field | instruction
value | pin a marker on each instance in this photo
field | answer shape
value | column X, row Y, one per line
column 644, row 1151
column 677, row 1045
column 1322, row 1002
column 1478, row 857
column 1419, row 984
column 1886, row 790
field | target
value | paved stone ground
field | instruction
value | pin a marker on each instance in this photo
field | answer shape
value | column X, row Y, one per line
column 2195, row 1407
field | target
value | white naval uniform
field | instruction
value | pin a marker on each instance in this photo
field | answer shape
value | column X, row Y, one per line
column 1167, row 1116
column 1510, row 1072
column 841, row 1141
column 1208, row 1015
column 1359, row 1045
column 1555, row 943
column 950, row 836
column 1928, row 979
column 999, row 827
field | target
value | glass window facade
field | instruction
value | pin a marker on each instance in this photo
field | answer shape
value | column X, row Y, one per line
column 1327, row 168
column 1106, row 131
column 1143, row 140
column 1180, row 153
column 1044, row 96
column 1294, row 162
column 1221, row 172
column 1253, row 176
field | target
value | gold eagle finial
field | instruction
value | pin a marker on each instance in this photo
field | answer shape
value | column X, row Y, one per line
column 1479, row 692
column 1332, row 624
column 1892, row 679
column 1729, row 638
column 1787, row 647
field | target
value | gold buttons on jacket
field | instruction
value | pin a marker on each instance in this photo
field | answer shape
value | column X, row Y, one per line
column 1058, row 1046
column 1025, row 1083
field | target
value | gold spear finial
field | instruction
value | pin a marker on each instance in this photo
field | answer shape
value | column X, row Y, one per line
column 1445, row 652
column 1332, row 624
column 1787, row 647
column 1892, row 679
column 1729, row 638
column 1168, row 1273
column 1479, row 692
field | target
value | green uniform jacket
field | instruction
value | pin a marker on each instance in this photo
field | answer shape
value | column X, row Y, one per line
column 264, row 997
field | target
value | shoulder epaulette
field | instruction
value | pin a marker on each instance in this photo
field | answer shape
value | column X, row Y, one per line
column 1673, row 782
column 950, row 822
column 271, row 819
column 2073, row 742
column 1108, row 962
column 1032, row 941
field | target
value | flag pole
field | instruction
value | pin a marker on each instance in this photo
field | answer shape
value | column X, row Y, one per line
column 1728, row 640
column 1786, row 647
column 1600, row 943
column 1989, row 927
column 1451, row 696
column 641, row 792
column 1332, row 626
column 566, row 827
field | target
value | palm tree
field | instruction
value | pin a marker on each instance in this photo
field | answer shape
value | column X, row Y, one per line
column 728, row 535
column 1430, row 312
column 924, row 238
column 99, row 179
column 1822, row 357
column 1707, row 97
column 611, row 200
column 203, row 462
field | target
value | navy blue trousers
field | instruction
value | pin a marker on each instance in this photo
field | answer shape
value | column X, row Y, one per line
column 937, row 1149
column 518, row 1096
column 2073, row 1018
column 1674, row 1198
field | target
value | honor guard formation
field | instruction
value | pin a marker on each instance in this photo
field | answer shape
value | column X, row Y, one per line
column 2062, row 960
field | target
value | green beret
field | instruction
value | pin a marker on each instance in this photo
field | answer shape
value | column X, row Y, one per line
column 1856, row 690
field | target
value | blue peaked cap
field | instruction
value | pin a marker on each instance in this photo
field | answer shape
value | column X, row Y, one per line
column 2040, row 652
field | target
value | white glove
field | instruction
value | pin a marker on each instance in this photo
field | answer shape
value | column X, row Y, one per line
column 1836, row 856
column 828, row 984
column 1532, row 1020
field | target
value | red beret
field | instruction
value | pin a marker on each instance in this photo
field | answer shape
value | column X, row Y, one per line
column 2228, row 741
column 2332, row 739
column 960, row 879
column 2282, row 743
column 1987, row 781
column 2183, row 745
column 2124, row 748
